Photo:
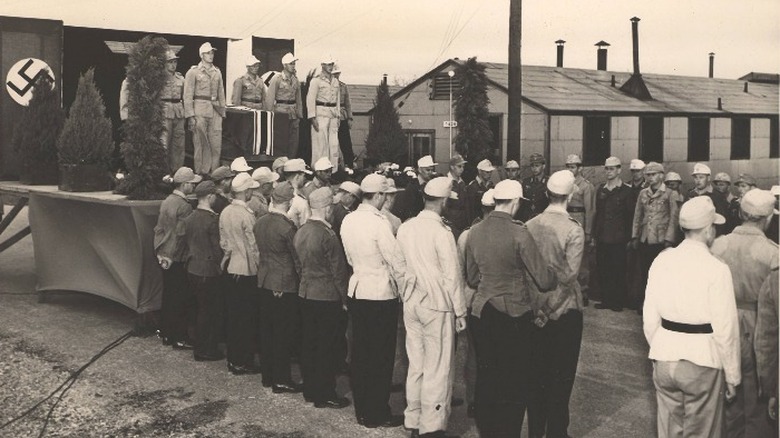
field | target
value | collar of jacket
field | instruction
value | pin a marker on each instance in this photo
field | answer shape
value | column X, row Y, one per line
column 431, row 215
column 556, row 209
column 500, row 215
column 748, row 231
column 322, row 222
column 180, row 194
column 657, row 193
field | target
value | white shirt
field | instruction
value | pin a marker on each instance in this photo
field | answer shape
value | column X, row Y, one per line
column 299, row 209
column 689, row 285
column 377, row 261
column 432, row 266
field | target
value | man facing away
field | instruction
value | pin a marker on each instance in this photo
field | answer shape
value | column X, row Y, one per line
column 434, row 310
column 690, row 322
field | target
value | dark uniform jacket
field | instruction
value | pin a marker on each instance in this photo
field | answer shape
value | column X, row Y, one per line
column 279, row 265
column 410, row 202
column 337, row 217
column 505, row 266
column 201, row 230
column 169, row 232
column 324, row 274
column 457, row 209
column 220, row 203
column 614, row 214
column 720, row 202
column 474, row 192
column 535, row 190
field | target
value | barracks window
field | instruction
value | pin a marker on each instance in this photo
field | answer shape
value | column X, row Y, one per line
column 774, row 149
column 596, row 140
column 698, row 139
column 740, row 138
column 651, row 139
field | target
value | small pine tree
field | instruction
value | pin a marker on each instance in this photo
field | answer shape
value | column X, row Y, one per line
column 142, row 149
column 385, row 141
column 474, row 136
column 35, row 135
column 86, row 136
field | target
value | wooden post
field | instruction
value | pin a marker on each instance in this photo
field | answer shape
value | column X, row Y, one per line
column 513, row 142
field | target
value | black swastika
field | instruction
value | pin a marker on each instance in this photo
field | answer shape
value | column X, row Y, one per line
column 30, row 80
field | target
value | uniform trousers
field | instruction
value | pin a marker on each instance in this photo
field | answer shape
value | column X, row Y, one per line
column 323, row 328
column 747, row 415
column 325, row 140
column 207, row 141
column 504, row 369
column 374, row 325
column 612, row 273
column 294, row 139
column 430, row 345
column 277, row 333
column 555, row 353
column 647, row 254
column 470, row 367
column 177, row 310
column 243, row 307
column 690, row 399
column 173, row 140
column 209, row 299
column 345, row 144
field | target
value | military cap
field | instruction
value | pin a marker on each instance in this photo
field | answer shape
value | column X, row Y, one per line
column 279, row 162
column 295, row 165
column 673, row 176
column 698, row 213
column 350, row 187
column 240, row 165
column 373, row 183
column 323, row 164
column 391, row 188
column 205, row 188
column 322, row 197
column 242, row 182
column 283, row 192
column 537, row 158
column 653, row 167
column 457, row 159
column 612, row 162
column 487, row 198
column 561, row 182
column 426, row 161
column 701, row 169
column 745, row 178
column 221, row 173
column 485, row 165
column 251, row 60
column 758, row 202
column 722, row 177
column 636, row 164
column 508, row 189
column 206, row 47
column 288, row 58
column 512, row 164
column 186, row 175
column 440, row 187
column 573, row 159
column 170, row 55
column 264, row 175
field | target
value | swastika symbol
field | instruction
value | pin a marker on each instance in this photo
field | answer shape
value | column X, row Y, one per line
column 30, row 80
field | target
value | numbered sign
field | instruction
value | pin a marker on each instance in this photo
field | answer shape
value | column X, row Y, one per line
column 22, row 77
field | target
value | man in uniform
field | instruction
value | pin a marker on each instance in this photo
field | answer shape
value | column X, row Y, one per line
column 556, row 342
column 434, row 310
column 249, row 89
column 284, row 96
column 378, row 278
column 612, row 231
column 690, row 323
column 722, row 183
column 512, row 168
column 347, row 197
column 535, row 189
column 261, row 196
column 278, row 165
column 457, row 210
column 345, row 121
column 173, row 110
column 744, row 183
column 750, row 257
column 638, row 182
column 323, row 298
column 476, row 188
column 702, row 187
column 392, row 219
column 655, row 223
column 633, row 264
column 204, row 108
column 295, row 173
column 505, row 267
column 323, row 170
column 410, row 203
column 322, row 104
column 222, row 177
column 582, row 208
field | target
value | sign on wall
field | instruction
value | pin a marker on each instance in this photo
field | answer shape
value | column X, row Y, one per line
column 23, row 75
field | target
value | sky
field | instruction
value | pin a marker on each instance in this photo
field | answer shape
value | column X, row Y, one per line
column 406, row 38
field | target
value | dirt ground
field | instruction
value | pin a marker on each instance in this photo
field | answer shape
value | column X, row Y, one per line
column 142, row 389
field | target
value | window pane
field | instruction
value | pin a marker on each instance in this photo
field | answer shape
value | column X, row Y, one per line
column 698, row 139
column 596, row 140
column 651, row 145
column 740, row 139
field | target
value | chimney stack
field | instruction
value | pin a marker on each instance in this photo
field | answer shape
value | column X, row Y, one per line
column 601, row 55
column 635, row 85
column 559, row 62
column 384, row 79
column 746, row 87
column 712, row 64
column 635, row 39
column 720, row 104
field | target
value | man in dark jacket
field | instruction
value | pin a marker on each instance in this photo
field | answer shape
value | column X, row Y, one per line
column 410, row 202
column 702, row 187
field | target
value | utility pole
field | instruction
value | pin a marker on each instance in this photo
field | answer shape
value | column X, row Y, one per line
column 513, row 145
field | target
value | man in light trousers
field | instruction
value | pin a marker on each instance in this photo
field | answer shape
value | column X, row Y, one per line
column 322, row 105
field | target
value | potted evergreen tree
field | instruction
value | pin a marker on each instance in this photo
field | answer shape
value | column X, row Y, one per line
column 35, row 136
column 85, row 143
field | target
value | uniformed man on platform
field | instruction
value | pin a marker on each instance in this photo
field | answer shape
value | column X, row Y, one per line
column 434, row 310
column 535, row 189
column 556, row 342
column 750, row 256
column 345, row 122
column 476, row 188
column 582, row 208
column 702, row 187
column 505, row 266
column 204, row 108
column 690, row 323
column 612, row 231
column 284, row 96
column 322, row 103
column 249, row 89
column 173, row 110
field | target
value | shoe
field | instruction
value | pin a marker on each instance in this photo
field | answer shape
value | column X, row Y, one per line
column 182, row 345
column 391, row 421
column 208, row 357
column 240, row 370
column 470, row 410
column 289, row 388
column 455, row 402
column 602, row 306
column 336, row 403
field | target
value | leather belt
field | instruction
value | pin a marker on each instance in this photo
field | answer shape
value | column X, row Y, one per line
column 571, row 209
column 204, row 98
column 325, row 104
column 251, row 100
column 172, row 100
column 288, row 102
column 686, row 328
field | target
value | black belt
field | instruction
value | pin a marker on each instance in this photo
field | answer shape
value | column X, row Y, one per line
column 325, row 103
column 172, row 100
column 575, row 209
column 289, row 102
column 204, row 98
column 686, row 328
column 251, row 100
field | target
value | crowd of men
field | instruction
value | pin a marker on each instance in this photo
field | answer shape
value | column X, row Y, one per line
column 275, row 266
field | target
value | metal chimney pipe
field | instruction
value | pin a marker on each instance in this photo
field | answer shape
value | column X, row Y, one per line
column 720, row 104
column 613, row 80
column 712, row 64
column 601, row 55
column 559, row 62
column 746, row 87
column 384, row 79
column 635, row 38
